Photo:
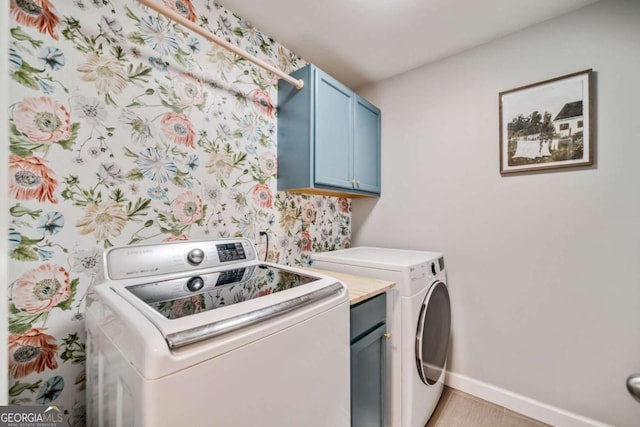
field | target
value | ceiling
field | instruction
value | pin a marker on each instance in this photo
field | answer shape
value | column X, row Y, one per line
column 365, row 41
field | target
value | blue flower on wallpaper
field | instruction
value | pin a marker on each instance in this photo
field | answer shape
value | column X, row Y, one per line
column 46, row 87
column 193, row 162
column 50, row 390
column 157, row 193
column 14, row 237
column 250, row 128
column 52, row 58
column 248, row 226
column 158, row 36
column 15, row 60
column 155, row 167
column 51, row 223
column 44, row 254
column 193, row 44
column 158, row 63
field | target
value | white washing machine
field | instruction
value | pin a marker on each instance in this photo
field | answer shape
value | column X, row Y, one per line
column 418, row 317
column 203, row 334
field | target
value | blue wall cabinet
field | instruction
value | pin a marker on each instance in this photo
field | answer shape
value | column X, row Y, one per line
column 328, row 138
column 368, row 359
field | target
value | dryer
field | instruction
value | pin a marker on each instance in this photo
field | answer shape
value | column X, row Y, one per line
column 418, row 318
column 204, row 334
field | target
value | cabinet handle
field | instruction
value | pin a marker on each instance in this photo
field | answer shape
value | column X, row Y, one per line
column 387, row 336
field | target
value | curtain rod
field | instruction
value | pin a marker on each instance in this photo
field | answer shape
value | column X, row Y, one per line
column 299, row 84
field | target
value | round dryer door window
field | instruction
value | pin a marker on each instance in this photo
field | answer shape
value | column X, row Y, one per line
column 434, row 330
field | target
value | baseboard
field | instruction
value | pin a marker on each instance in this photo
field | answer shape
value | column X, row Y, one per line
column 518, row 403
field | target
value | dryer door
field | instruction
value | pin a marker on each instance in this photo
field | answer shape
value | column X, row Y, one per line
column 434, row 330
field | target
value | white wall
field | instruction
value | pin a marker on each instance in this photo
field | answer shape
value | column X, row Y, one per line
column 543, row 268
column 4, row 187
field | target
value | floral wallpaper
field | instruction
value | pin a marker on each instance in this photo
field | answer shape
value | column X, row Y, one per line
column 126, row 128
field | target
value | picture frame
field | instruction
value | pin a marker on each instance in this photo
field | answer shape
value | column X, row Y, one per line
column 547, row 125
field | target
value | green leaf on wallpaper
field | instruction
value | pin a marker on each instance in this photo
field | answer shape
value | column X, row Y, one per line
column 135, row 174
column 25, row 79
column 139, row 209
column 24, row 240
column 117, row 195
column 108, row 100
column 20, row 35
column 239, row 158
column 118, row 52
column 141, row 73
column 18, row 388
column 24, row 253
column 13, row 309
column 18, row 211
column 202, row 219
column 136, row 38
column 19, row 328
column 131, row 15
column 67, row 144
column 129, row 153
column 66, row 304
column 21, row 146
column 29, row 69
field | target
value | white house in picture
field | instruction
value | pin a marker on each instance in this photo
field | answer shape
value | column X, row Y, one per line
column 569, row 119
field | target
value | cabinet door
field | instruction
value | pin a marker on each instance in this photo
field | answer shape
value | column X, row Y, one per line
column 366, row 152
column 334, row 132
column 368, row 379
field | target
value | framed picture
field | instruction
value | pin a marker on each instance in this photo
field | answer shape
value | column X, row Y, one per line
column 547, row 125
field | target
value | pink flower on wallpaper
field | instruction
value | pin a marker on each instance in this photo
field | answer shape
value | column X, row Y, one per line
column 178, row 128
column 105, row 71
column 40, row 14
column 265, row 292
column 30, row 352
column 42, row 120
column 308, row 213
column 176, row 238
column 187, row 208
column 188, row 89
column 182, row 7
column 343, row 204
column 305, row 241
column 262, row 196
column 186, row 306
column 262, row 100
column 268, row 163
column 103, row 221
column 274, row 254
column 31, row 179
column 41, row 288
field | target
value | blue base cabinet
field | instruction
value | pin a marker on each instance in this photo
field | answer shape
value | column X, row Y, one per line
column 328, row 138
column 368, row 362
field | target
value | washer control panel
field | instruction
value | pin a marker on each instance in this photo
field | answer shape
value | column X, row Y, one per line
column 175, row 257
column 233, row 251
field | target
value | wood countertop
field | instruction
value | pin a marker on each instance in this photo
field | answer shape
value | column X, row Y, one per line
column 360, row 288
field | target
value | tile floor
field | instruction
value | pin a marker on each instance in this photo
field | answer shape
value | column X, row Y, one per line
column 458, row 409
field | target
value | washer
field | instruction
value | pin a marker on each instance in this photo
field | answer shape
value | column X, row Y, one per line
column 419, row 318
column 204, row 334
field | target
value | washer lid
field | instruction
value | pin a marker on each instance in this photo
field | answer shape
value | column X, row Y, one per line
column 188, row 309
column 390, row 259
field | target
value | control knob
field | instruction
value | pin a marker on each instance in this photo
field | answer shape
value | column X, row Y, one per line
column 195, row 256
column 195, row 283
